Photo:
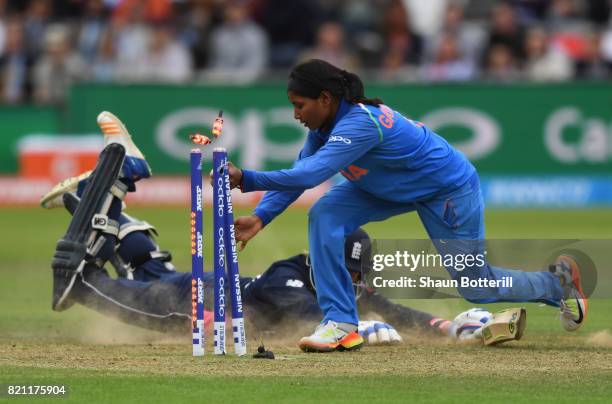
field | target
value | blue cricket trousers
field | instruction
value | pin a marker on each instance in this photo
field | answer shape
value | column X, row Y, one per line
column 457, row 215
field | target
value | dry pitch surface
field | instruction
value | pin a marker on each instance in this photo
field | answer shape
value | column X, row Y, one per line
column 102, row 360
column 532, row 357
column 549, row 367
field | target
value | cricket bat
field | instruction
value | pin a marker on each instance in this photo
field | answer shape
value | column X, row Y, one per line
column 506, row 325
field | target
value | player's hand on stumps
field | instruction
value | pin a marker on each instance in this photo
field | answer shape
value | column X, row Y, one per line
column 235, row 175
column 246, row 228
column 378, row 333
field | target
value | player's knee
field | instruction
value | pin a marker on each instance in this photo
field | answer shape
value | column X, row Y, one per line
column 320, row 211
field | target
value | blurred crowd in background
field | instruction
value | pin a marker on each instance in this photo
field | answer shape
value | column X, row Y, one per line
column 45, row 45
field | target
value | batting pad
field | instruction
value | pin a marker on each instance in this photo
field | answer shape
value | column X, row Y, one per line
column 90, row 217
column 94, row 196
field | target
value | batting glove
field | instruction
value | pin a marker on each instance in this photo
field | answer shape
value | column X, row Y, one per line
column 378, row 333
column 468, row 325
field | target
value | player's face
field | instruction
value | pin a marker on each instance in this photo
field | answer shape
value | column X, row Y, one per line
column 314, row 113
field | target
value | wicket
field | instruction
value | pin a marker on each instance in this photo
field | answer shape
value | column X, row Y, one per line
column 197, row 257
column 219, row 254
column 225, row 254
column 222, row 183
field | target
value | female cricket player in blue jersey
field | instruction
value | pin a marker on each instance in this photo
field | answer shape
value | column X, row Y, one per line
column 392, row 165
column 150, row 293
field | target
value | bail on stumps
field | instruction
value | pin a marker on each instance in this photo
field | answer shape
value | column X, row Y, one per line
column 216, row 131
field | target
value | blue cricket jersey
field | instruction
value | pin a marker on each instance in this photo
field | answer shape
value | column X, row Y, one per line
column 378, row 149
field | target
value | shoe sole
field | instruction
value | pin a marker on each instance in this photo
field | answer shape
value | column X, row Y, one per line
column 115, row 131
column 67, row 185
column 327, row 348
column 112, row 127
column 576, row 280
column 348, row 343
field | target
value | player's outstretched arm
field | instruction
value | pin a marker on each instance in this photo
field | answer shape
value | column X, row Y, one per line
column 489, row 328
column 246, row 228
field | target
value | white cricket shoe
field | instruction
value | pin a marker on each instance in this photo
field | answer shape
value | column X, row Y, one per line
column 330, row 337
column 54, row 198
column 135, row 166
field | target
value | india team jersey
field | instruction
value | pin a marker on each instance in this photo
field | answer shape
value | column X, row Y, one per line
column 378, row 149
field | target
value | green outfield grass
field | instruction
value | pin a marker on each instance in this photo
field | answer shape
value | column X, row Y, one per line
column 101, row 360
